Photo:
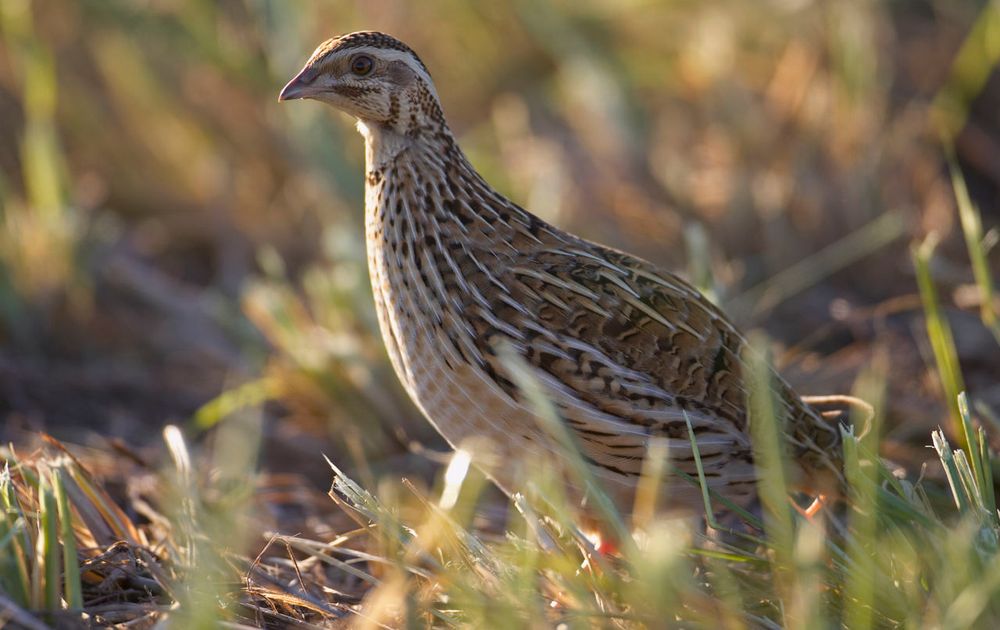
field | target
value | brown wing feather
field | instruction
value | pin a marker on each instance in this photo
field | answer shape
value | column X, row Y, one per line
column 657, row 354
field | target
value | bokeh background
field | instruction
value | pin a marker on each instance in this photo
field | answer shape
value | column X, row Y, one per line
column 177, row 246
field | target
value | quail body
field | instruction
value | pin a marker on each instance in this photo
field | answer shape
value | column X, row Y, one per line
column 625, row 351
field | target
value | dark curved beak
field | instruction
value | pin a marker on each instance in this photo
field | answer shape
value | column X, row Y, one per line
column 299, row 87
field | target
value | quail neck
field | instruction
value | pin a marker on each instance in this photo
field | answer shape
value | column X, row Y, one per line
column 625, row 351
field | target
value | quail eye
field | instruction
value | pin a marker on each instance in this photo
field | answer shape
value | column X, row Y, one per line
column 362, row 65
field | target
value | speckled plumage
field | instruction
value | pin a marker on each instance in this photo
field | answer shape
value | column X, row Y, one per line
column 624, row 349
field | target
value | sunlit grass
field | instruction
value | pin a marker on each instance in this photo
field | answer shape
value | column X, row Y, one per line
column 181, row 85
column 884, row 558
column 68, row 549
column 864, row 572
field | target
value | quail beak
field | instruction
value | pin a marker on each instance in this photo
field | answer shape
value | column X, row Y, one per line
column 297, row 88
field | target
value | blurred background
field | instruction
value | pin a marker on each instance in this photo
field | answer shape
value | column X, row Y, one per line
column 175, row 246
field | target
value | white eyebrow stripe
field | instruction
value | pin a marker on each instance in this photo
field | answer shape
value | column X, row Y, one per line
column 390, row 55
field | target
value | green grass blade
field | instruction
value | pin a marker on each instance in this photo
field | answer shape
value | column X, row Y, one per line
column 769, row 454
column 73, row 589
column 972, row 229
column 809, row 271
column 549, row 419
column 15, row 544
column 978, row 455
column 986, row 461
column 962, row 501
column 50, row 557
column 862, row 470
column 968, row 479
column 246, row 396
column 939, row 334
column 970, row 71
